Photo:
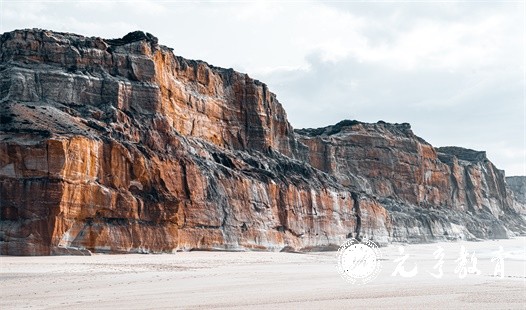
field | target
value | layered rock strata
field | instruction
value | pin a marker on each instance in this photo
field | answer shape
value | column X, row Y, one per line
column 517, row 186
column 120, row 146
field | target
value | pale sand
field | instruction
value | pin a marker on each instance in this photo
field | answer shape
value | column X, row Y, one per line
column 261, row 280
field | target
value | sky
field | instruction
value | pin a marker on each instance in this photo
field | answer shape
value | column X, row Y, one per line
column 454, row 70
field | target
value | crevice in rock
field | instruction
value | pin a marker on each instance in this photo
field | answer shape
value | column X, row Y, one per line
column 469, row 191
column 186, row 187
column 224, row 160
column 358, row 214
column 284, row 229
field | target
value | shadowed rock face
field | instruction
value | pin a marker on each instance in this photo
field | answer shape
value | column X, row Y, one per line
column 120, row 146
column 517, row 186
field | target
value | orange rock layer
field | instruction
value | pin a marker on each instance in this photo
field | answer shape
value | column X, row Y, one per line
column 119, row 146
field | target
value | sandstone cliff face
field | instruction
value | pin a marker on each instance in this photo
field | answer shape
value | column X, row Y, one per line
column 120, row 146
column 430, row 193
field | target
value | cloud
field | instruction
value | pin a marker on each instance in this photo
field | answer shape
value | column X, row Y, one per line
column 70, row 17
column 480, row 111
column 454, row 70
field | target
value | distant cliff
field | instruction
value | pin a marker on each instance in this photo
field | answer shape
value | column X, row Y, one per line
column 121, row 146
column 517, row 185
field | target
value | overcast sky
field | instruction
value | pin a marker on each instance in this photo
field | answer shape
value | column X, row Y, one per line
column 454, row 70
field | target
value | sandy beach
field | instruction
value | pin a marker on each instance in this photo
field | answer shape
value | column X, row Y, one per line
column 261, row 280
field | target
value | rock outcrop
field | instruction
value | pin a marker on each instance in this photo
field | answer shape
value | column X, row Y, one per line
column 448, row 192
column 517, row 185
column 121, row 146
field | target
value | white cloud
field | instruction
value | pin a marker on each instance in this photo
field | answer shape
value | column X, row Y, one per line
column 454, row 70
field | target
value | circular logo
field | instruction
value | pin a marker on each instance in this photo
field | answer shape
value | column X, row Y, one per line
column 359, row 261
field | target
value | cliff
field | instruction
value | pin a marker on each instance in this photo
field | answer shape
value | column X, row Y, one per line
column 429, row 193
column 517, row 186
column 121, row 146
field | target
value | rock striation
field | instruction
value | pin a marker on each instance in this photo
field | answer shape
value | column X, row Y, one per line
column 429, row 193
column 120, row 146
column 517, row 186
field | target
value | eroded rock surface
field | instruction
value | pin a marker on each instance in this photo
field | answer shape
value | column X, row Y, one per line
column 517, row 185
column 121, row 146
column 430, row 193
